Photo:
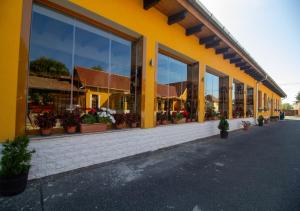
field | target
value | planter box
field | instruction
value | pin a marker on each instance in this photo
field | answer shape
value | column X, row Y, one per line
column 183, row 120
column 91, row 128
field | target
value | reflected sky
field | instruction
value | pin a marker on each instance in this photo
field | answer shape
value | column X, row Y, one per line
column 55, row 39
column 170, row 70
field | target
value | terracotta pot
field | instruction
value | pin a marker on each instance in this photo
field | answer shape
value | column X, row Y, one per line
column 188, row 120
column 90, row 128
column 133, row 125
column 71, row 129
column 120, row 126
column 183, row 120
column 46, row 131
column 164, row 122
column 157, row 122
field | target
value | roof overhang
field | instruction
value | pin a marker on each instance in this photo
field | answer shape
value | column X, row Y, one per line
column 198, row 21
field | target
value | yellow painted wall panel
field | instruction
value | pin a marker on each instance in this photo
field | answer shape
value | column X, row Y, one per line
column 10, row 30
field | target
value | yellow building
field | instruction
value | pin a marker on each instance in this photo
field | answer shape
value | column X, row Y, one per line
column 151, row 56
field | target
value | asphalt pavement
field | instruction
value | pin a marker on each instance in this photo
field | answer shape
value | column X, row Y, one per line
column 258, row 169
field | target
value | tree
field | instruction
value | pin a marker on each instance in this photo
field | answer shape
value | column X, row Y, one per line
column 48, row 67
column 298, row 96
column 286, row 106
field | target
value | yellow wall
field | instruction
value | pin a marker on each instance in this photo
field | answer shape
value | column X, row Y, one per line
column 151, row 24
column 10, row 30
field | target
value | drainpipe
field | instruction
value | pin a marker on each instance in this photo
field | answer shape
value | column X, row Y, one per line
column 258, row 82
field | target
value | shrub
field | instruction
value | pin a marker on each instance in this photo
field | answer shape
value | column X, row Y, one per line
column 260, row 120
column 45, row 121
column 88, row 119
column 70, row 119
column 223, row 124
column 15, row 157
column 131, row 118
column 120, row 118
column 106, row 116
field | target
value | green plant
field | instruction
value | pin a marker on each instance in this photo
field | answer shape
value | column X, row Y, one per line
column 45, row 120
column 131, row 118
column 88, row 119
column 223, row 124
column 260, row 119
column 298, row 96
column 15, row 157
column 44, row 66
column 120, row 118
column 70, row 119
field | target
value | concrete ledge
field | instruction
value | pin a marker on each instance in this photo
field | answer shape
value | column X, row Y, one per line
column 65, row 153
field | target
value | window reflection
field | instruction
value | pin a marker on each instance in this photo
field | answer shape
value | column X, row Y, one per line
column 177, row 91
column 237, row 99
column 216, row 96
column 250, row 102
column 75, row 65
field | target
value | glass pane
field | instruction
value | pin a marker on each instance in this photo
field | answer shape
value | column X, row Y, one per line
column 211, row 96
column 162, row 89
column 91, row 67
column 250, row 102
column 177, row 90
column 237, row 99
column 121, row 98
column 50, row 75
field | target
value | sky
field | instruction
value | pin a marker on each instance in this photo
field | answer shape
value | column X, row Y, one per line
column 270, row 31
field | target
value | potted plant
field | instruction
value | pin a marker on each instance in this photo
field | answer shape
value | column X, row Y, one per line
column 45, row 122
column 158, row 118
column 266, row 120
column 246, row 125
column 178, row 117
column 260, row 120
column 132, row 120
column 120, row 121
column 223, row 127
column 164, row 119
column 14, row 166
column 70, row 121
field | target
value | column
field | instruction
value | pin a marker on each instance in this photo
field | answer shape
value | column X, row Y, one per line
column 201, row 94
column 245, row 99
column 230, row 98
column 14, row 26
column 150, row 49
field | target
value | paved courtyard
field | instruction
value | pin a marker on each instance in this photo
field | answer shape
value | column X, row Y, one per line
column 257, row 169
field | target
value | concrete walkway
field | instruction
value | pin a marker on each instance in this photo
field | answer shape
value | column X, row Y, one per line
column 64, row 153
column 257, row 169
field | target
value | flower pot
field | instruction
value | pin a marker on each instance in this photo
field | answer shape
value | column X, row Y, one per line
column 223, row 133
column 188, row 120
column 91, row 128
column 164, row 122
column 133, row 125
column 120, row 126
column 46, row 131
column 193, row 120
column 10, row 186
column 246, row 127
column 71, row 129
column 157, row 123
column 179, row 121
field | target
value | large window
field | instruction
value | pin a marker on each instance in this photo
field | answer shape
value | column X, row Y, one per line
column 250, row 102
column 75, row 65
column 237, row 99
column 216, row 96
column 177, row 90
